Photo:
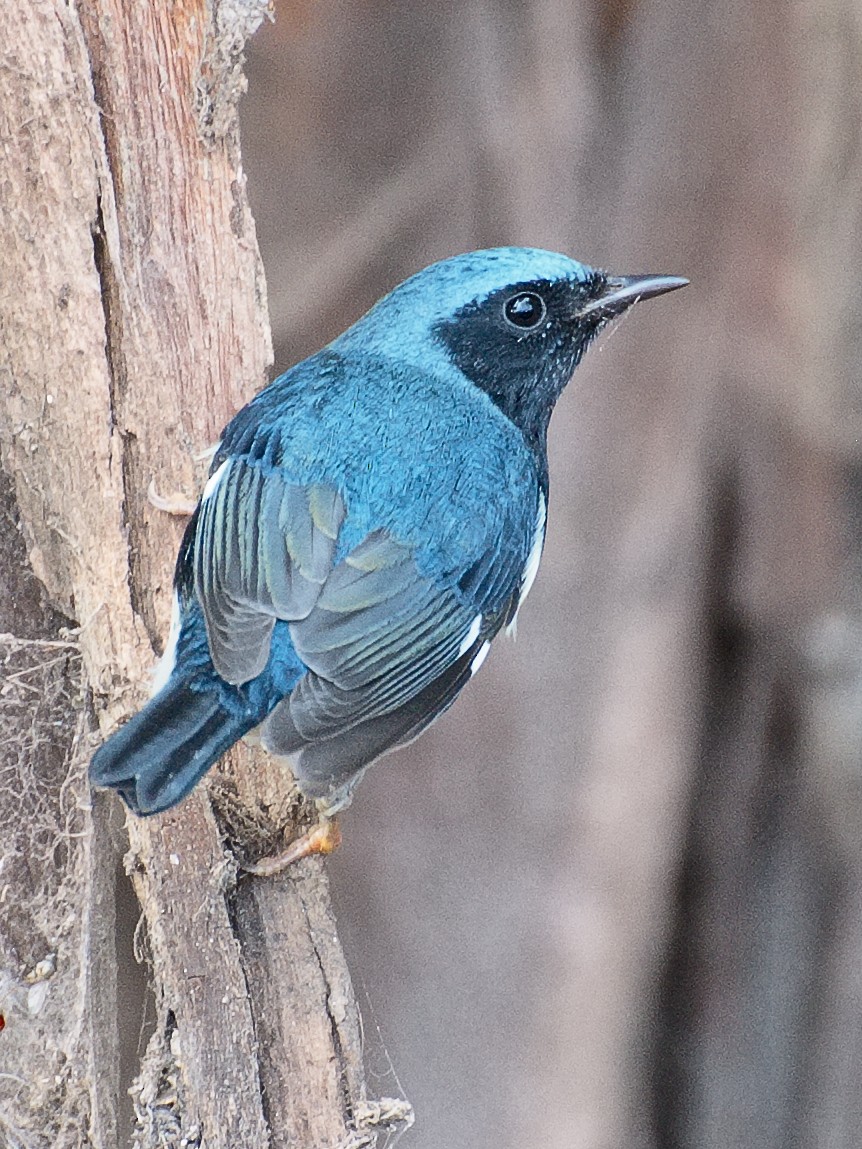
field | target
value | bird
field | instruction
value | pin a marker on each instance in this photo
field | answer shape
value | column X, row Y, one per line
column 372, row 520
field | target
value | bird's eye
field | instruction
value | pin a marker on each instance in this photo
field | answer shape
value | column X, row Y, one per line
column 525, row 310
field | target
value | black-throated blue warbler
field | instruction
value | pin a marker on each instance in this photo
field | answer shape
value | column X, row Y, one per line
column 372, row 520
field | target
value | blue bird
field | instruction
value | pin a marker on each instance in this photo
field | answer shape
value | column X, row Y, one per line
column 372, row 520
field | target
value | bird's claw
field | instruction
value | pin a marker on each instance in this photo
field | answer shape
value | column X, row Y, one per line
column 324, row 838
column 172, row 504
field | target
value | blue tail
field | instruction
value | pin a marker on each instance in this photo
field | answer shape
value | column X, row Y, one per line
column 161, row 753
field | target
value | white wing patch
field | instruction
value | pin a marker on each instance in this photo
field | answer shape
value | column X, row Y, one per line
column 531, row 567
column 214, row 480
column 471, row 635
column 165, row 666
column 481, row 655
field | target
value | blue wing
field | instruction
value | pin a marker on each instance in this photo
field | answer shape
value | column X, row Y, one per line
column 387, row 647
column 263, row 549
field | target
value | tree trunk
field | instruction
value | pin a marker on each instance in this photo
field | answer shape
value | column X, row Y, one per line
column 133, row 310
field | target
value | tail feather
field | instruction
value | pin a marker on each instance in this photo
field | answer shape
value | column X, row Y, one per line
column 164, row 750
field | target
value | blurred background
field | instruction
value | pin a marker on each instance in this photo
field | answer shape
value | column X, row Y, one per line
column 614, row 898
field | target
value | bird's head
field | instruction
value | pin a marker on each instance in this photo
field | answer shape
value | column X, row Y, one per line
column 514, row 321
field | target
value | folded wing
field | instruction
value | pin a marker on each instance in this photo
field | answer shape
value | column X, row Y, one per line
column 387, row 646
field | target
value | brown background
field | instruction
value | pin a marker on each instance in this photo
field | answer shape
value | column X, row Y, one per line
column 612, row 899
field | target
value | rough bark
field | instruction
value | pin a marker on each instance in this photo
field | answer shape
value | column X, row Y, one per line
column 134, row 323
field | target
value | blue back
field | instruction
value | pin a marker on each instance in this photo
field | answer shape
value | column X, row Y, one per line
column 425, row 456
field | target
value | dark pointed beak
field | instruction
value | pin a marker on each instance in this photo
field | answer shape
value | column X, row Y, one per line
column 621, row 291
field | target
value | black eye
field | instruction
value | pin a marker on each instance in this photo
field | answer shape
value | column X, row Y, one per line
column 525, row 310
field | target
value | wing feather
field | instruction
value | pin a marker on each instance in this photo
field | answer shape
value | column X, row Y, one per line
column 387, row 646
column 263, row 549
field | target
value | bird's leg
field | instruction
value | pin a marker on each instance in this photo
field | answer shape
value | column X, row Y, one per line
column 323, row 838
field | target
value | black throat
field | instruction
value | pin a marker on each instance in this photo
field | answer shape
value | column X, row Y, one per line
column 522, row 373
